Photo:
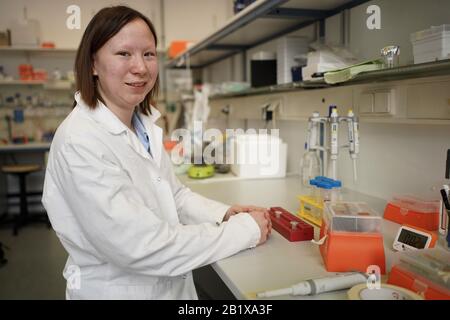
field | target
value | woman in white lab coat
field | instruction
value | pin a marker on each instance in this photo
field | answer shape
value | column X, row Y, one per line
column 131, row 229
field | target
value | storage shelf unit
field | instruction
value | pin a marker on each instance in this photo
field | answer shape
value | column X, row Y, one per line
column 22, row 83
column 262, row 21
column 438, row 68
column 37, row 50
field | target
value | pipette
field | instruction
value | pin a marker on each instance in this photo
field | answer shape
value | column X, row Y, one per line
column 316, row 286
column 334, row 148
column 353, row 137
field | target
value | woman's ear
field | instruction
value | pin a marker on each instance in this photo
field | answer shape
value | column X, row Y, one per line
column 94, row 70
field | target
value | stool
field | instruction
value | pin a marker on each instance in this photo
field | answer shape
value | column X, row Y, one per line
column 21, row 171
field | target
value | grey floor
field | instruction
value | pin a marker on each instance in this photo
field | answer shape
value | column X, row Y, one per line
column 35, row 263
column 36, row 260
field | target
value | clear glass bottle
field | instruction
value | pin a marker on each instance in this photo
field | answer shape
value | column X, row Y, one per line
column 310, row 167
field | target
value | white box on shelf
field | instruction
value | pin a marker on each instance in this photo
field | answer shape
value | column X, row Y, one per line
column 431, row 44
column 25, row 33
column 260, row 156
column 322, row 61
column 287, row 49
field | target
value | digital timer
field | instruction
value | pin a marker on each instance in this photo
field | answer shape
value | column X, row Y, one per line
column 413, row 238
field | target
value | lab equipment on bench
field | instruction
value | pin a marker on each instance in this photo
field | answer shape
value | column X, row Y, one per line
column 444, row 220
column 351, row 238
column 316, row 286
column 385, row 292
column 414, row 211
column 311, row 209
column 310, row 163
column 259, row 156
column 310, row 166
column 318, row 140
column 426, row 272
column 413, row 238
column 201, row 171
column 444, row 213
column 289, row 226
column 326, row 189
column 322, row 189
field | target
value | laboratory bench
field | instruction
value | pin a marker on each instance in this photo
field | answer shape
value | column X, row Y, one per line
column 277, row 263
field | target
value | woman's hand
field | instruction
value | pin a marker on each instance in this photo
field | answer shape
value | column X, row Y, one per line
column 260, row 214
column 264, row 224
column 235, row 209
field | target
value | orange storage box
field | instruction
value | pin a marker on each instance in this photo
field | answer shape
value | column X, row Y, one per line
column 424, row 272
column 352, row 238
column 177, row 47
column 413, row 211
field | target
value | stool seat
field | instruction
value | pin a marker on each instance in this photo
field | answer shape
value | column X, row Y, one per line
column 21, row 171
column 21, row 168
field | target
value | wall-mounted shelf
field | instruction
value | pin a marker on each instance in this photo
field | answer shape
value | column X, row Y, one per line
column 438, row 68
column 21, row 83
column 262, row 21
column 50, row 85
column 37, row 50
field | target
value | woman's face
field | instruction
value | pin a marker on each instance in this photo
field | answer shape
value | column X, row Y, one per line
column 126, row 66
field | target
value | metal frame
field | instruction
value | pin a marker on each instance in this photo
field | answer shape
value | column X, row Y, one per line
column 271, row 10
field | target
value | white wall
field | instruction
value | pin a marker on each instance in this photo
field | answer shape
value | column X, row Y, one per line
column 195, row 19
column 394, row 158
column 52, row 16
column 399, row 18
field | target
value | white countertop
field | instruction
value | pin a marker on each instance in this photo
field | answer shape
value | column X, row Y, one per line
column 278, row 263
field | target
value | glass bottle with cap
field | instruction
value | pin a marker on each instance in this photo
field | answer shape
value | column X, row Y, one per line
column 310, row 167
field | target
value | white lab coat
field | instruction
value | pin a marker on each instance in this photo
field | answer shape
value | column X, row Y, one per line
column 131, row 229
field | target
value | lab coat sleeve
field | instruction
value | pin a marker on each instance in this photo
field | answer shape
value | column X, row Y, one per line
column 123, row 230
column 192, row 207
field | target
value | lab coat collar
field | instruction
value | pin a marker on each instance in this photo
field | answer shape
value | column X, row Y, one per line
column 105, row 117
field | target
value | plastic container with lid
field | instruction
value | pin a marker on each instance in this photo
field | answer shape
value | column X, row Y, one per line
column 351, row 237
column 351, row 217
column 406, row 209
column 321, row 189
column 425, row 272
column 325, row 189
column 310, row 210
column 431, row 44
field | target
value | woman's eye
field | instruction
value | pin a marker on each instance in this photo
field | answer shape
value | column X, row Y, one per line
column 150, row 54
column 123, row 53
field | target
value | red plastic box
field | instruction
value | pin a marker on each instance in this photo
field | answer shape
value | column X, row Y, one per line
column 289, row 226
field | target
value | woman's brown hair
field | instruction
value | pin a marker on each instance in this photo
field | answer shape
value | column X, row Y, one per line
column 103, row 26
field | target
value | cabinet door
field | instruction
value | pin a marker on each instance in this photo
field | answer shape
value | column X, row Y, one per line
column 429, row 100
